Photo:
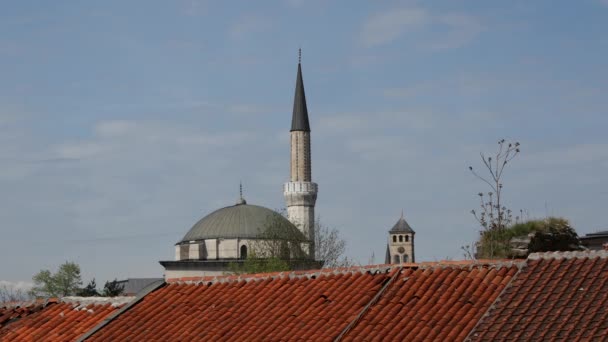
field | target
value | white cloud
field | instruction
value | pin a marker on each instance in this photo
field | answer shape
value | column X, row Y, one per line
column 249, row 24
column 16, row 285
column 571, row 155
column 114, row 128
column 79, row 150
column 437, row 31
column 194, row 7
column 295, row 3
column 385, row 27
column 459, row 30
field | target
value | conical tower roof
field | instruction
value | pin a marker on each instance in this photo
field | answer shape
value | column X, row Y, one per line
column 299, row 119
column 402, row 227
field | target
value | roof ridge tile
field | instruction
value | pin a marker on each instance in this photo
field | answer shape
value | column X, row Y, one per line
column 569, row 255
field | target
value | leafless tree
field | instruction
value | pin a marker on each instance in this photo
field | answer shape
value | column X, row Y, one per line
column 494, row 216
column 12, row 294
column 330, row 247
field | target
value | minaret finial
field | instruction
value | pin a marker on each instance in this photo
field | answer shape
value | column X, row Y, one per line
column 299, row 55
column 401, row 211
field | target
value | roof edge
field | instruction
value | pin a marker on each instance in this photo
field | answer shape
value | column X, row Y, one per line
column 147, row 290
column 79, row 302
column 374, row 269
column 603, row 254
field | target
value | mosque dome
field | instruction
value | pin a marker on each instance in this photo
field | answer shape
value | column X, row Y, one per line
column 243, row 221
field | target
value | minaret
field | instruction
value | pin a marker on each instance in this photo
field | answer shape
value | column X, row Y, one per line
column 300, row 192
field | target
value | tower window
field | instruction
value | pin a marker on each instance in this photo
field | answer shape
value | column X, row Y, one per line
column 394, row 238
column 407, row 238
column 400, row 238
column 405, row 258
column 243, row 252
column 396, row 259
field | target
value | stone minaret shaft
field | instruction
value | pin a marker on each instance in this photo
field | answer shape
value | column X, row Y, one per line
column 300, row 192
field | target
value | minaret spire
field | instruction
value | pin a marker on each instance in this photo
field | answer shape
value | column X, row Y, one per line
column 299, row 119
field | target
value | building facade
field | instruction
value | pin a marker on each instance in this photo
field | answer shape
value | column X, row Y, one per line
column 400, row 247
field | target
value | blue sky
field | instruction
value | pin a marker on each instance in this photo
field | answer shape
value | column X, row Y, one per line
column 124, row 122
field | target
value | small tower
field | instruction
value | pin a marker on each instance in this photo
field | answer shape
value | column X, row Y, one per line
column 400, row 247
column 301, row 192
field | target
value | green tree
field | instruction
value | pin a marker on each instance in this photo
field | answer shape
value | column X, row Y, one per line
column 113, row 289
column 90, row 290
column 521, row 239
column 277, row 248
column 254, row 264
column 65, row 282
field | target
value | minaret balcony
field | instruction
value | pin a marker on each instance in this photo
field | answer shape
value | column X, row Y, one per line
column 305, row 187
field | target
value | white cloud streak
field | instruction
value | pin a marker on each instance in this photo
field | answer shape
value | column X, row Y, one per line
column 433, row 31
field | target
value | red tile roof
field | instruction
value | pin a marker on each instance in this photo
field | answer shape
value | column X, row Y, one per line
column 443, row 301
column 53, row 321
column 434, row 303
column 13, row 311
column 556, row 297
column 550, row 297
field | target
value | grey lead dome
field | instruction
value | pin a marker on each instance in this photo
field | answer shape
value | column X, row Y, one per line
column 244, row 221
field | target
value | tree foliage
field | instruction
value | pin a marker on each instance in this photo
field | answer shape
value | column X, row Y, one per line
column 254, row 264
column 276, row 250
column 550, row 234
column 90, row 290
column 274, row 241
column 65, row 282
column 113, row 288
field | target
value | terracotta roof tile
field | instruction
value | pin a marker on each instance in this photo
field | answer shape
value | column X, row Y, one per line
column 317, row 305
column 558, row 296
column 54, row 320
column 551, row 296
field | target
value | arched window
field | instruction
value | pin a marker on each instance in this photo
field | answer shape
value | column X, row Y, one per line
column 394, row 238
column 405, row 258
column 243, row 252
column 400, row 238
column 396, row 259
column 407, row 238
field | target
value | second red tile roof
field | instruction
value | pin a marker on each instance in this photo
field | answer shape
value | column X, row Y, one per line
column 316, row 306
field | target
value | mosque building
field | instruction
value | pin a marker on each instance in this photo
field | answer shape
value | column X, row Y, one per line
column 229, row 235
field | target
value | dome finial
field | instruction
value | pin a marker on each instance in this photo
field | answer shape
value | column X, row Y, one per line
column 241, row 199
column 401, row 212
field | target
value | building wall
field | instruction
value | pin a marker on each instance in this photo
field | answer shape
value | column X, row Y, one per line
column 300, row 157
column 169, row 274
column 301, row 198
column 407, row 246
